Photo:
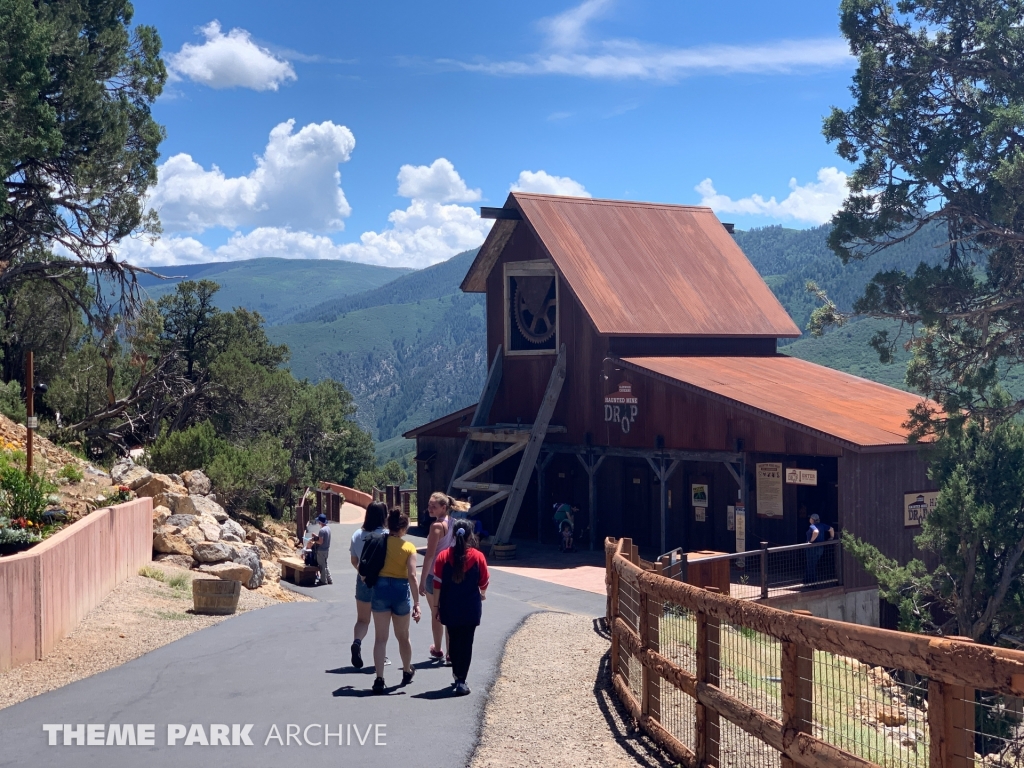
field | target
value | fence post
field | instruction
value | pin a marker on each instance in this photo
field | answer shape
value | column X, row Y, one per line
column 650, row 618
column 622, row 669
column 764, row 570
column 951, row 723
column 797, row 691
column 708, row 670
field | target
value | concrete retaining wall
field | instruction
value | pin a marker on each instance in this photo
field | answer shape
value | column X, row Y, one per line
column 47, row 590
column 855, row 606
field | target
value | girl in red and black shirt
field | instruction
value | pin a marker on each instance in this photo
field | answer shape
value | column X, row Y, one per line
column 460, row 576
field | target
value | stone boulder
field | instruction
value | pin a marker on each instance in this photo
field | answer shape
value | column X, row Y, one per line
column 197, row 483
column 136, row 477
column 159, row 485
column 249, row 556
column 160, row 515
column 196, row 505
column 193, row 535
column 182, row 561
column 181, row 521
column 213, row 552
column 270, row 547
column 890, row 717
column 120, row 469
column 228, row 571
column 232, row 531
column 210, row 530
column 176, row 479
column 169, row 540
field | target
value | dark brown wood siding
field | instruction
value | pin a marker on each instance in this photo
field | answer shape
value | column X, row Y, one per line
column 871, row 488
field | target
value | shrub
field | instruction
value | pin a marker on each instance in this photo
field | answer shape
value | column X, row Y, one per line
column 12, row 405
column 18, row 536
column 152, row 573
column 244, row 477
column 70, row 473
column 23, row 494
column 390, row 474
column 192, row 448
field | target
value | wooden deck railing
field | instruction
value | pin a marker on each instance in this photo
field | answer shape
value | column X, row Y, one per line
column 719, row 681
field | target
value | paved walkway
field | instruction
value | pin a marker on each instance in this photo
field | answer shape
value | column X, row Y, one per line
column 283, row 666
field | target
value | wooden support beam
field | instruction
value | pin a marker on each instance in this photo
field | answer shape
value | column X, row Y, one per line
column 542, row 465
column 482, row 412
column 591, row 464
column 484, row 487
column 529, row 460
column 495, row 460
column 490, row 501
column 663, row 474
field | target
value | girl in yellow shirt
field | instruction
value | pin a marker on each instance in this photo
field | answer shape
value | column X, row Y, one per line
column 392, row 598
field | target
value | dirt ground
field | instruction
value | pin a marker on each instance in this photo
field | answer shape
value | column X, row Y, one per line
column 137, row 617
column 553, row 705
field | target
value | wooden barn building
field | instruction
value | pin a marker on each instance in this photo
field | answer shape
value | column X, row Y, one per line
column 636, row 376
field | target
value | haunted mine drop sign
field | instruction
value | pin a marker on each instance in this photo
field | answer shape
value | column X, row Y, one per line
column 621, row 407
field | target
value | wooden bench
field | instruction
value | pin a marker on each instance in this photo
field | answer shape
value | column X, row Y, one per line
column 296, row 571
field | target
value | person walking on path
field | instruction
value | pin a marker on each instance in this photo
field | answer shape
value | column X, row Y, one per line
column 322, row 540
column 373, row 522
column 440, row 538
column 461, row 579
column 392, row 598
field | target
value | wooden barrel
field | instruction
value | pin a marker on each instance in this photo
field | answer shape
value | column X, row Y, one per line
column 216, row 596
column 504, row 551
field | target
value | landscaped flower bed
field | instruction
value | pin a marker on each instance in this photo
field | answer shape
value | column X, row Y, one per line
column 25, row 519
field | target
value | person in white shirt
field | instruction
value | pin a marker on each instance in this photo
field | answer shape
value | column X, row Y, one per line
column 373, row 522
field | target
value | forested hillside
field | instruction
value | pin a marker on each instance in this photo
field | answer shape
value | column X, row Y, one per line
column 276, row 288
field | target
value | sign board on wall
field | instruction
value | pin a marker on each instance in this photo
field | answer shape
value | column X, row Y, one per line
column 917, row 506
column 730, row 518
column 700, row 514
column 796, row 476
column 741, row 532
column 699, row 494
column 621, row 407
column 769, row 489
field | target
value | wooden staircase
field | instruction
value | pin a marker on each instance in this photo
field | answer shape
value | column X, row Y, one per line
column 525, row 438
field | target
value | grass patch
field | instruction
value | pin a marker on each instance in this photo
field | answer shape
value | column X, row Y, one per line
column 180, row 581
column 152, row 573
column 70, row 474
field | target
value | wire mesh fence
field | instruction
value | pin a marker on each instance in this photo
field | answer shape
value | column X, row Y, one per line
column 724, row 682
column 874, row 713
column 994, row 734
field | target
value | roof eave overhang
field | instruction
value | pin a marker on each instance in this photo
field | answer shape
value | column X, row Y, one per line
column 846, row 444
column 475, row 280
column 454, row 415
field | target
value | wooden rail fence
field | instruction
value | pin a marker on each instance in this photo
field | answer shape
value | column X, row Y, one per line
column 718, row 681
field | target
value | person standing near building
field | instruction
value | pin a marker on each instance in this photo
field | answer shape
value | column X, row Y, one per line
column 440, row 538
column 373, row 522
column 461, row 580
column 814, row 536
column 322, row 540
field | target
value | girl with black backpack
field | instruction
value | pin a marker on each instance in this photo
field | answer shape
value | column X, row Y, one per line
column 461, row 579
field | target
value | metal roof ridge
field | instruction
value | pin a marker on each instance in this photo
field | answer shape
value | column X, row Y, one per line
column 609, row 201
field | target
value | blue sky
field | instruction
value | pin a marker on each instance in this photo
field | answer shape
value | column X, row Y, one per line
column 373, row 131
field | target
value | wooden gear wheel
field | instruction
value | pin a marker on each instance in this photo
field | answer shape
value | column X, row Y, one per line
column 535, row 312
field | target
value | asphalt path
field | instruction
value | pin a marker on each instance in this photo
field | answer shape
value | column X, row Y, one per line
column 285, row 670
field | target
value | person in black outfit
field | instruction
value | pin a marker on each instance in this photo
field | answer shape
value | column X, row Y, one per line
column 460, row 575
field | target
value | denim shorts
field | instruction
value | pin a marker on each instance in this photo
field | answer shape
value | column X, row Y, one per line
column 391, row 594
column 364, row 594
column 429, row 588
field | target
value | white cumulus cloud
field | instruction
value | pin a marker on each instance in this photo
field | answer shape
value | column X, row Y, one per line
column 432, row 228
column 544, row 183
column 438, row 182
column 814, row 202
column 230, row 61
column 296, row 184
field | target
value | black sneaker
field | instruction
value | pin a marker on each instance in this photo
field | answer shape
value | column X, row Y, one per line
column 357, row 655
column 461, row 689
column 378, row 685
column 408, row 676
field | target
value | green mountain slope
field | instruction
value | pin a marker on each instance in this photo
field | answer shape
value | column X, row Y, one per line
column 406, row 355
column 276, row 288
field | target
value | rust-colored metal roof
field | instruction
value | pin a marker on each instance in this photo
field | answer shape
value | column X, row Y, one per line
column 856, row 411
column 646, row 269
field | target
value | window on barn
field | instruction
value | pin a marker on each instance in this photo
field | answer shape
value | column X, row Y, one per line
column 531, row 308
